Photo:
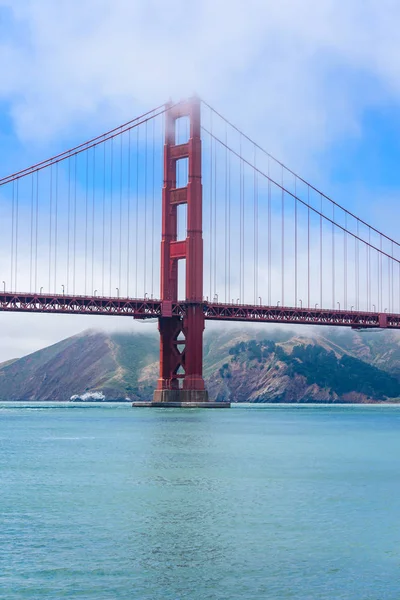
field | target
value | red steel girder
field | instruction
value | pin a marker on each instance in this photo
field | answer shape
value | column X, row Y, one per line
column 89, row 305
column 298, row 316
column 146, row 308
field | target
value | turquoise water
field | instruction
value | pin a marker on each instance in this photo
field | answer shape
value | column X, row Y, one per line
column 271, row 502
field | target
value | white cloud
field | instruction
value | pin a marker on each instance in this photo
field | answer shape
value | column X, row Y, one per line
column 290, row 72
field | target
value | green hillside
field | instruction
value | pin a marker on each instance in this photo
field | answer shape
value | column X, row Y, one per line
column 241, row 364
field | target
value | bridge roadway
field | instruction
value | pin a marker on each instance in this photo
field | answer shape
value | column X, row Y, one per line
column 146, row 308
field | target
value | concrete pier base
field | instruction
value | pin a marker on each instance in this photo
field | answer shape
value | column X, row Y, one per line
column 181, row 399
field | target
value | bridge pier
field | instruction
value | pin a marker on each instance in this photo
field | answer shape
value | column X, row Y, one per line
column 181, row 399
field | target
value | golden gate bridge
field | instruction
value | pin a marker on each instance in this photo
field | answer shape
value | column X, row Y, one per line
column 243, row 238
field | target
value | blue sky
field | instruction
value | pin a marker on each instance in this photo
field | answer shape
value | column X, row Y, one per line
column 316, row 84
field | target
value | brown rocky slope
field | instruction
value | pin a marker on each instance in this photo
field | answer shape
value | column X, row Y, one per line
column 265, row 365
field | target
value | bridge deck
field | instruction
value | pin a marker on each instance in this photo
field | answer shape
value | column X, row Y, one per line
column 146, row 308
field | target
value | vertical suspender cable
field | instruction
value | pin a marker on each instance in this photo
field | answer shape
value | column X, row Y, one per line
column 86, row 216
column 240, row 221
column 75, row 198
column 93, row 213
column 391, row 267
column 320, row 257
column 366, row 275
column 56, row 232
column 104, row 223
column 211, row 199
column 243, row 231
column 358, row 266
column 215, row 215
column 37, row 228
column 111, row 211
column 145, row 210
column 295, row 241
column 137, row 213
column 369, row 270
column 68, row 220
column 31, row 256
column 379, row 280
column 269, row 235
column 283, row 239
column 381, row 273
column 257, row 242
column 308, row 248
column 333, row 256
column 345, row 260
column 344, row 267
column 386, row 302
column 12, row 236
column 229, row 227
column 50, row 224
column 16, row 236
column 255, row 227
column 355, row 270
column 153, row 208
column 128, row 257
column 120, row 214
column 16, row 239
column 226, row 211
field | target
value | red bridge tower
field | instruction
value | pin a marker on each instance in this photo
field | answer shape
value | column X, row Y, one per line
column 181, row 339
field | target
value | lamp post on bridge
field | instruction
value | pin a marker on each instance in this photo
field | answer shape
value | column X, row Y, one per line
column 63, row 289
column 301, row 303
column 41, row 290
column 338, row 303
column 117, row 292
column 4, row 286
column 94, row 293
